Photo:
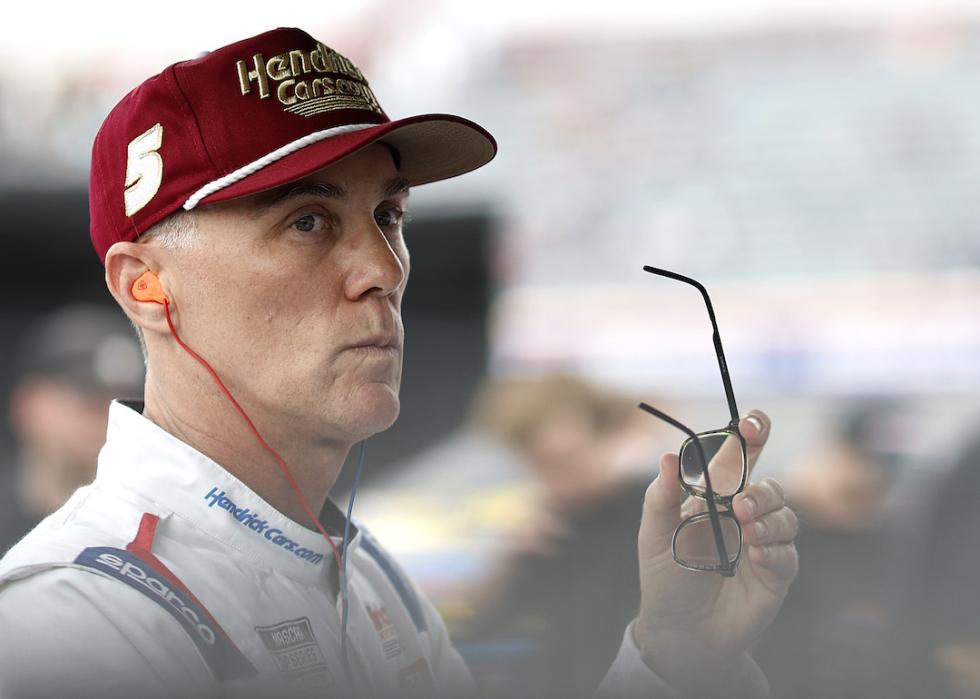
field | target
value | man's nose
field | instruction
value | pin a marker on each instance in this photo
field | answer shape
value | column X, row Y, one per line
column 375, row 266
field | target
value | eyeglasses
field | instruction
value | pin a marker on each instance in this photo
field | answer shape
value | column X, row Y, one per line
column 711, row 540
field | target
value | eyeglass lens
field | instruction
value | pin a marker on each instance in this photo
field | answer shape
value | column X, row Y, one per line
column 726, row 464
column 694, row 541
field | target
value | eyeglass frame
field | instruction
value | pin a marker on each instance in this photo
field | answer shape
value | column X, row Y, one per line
column 712, row 499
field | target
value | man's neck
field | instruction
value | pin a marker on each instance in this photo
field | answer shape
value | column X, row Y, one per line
column 214, row 427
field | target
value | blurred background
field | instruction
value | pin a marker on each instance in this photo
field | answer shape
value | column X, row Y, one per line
column 814, row 164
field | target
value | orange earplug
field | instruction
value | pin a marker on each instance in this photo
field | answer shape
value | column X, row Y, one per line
column 147, row 288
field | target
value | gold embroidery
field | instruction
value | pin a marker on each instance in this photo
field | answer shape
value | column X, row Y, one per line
column 281, row 92
column 243, row 77
column 319, row 105
column 346, row 87
column 348, row 92
column 299, row 63
column 321, row 87
column 278, row 67
column 246, row 76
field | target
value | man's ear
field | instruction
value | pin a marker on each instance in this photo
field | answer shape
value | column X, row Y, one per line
column 124, row 263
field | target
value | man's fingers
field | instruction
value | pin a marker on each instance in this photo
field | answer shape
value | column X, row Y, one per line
column 755, row 427
column 779, row 527
column 725, row 466
column 778, row 563
column 726, row 463
column 758, row 499
column 661, row 509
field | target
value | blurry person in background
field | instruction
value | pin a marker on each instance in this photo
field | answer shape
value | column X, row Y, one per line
column 68, row 367
column 832, row 638
column 560, row 597
column 942, row 607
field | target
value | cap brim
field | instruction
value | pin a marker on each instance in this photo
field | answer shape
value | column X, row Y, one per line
column 432, row 147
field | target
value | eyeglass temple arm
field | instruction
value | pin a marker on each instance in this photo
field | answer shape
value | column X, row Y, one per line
column 709, row 491
column 726, row 380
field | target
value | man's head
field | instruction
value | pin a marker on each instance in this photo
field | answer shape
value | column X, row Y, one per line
column 292, row 295
column 274, row 189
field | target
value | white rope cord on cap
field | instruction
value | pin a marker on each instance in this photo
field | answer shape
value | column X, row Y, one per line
column 243, row 172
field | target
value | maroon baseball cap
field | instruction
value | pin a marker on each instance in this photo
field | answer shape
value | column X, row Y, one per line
column 247, row 117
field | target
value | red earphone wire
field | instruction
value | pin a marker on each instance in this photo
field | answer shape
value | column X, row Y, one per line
column 279, row 460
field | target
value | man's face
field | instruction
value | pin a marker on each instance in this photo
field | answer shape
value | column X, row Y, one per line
column 294, row 297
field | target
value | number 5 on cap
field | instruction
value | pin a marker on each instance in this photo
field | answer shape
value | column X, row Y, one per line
column 144, row 169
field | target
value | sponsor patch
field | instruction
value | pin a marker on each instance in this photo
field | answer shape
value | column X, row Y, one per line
column 255, row 523
column 401, row 584
column 307, row 82
column 385, row 630
column 221, row 655
column 296, row 652
column 416, row 679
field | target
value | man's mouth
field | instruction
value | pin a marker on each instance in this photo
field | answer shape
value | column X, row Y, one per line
column 379, row 344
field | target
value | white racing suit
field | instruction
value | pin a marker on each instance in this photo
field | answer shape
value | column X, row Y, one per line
column 168, row 576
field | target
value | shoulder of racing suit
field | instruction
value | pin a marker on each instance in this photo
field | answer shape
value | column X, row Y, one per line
column 63, row 541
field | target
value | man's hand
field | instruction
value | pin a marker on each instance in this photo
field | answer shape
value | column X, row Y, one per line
column 695, row 628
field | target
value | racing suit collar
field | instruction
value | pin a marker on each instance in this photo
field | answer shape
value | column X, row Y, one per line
column 141, row 456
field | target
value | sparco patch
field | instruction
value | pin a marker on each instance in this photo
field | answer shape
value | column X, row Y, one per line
column 221, row 655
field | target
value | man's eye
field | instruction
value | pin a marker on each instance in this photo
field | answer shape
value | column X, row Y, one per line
column 389, row 217
column 310, row 223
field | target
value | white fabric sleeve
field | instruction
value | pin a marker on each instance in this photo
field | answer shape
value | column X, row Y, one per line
column 629, row 676
column 450, row 673
column 68, row 632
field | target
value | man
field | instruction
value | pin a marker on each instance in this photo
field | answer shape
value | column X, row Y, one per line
column 586, row 451
column 190, row 565
column 68, row 367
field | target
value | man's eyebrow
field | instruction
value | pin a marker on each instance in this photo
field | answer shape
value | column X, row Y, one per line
column 398, row 185
column 391, row 188
column 302, row 189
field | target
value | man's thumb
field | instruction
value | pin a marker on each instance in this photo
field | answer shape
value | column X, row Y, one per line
column 661, row 509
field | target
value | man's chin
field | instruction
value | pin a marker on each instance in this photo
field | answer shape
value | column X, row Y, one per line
column 374, row 408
